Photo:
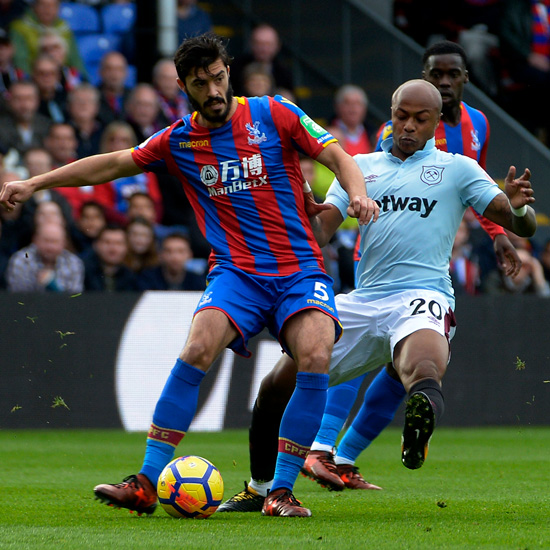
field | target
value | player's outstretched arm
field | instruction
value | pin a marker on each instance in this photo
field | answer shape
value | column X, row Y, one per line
column 352, row 181
column 88, row 171
column 511, row 209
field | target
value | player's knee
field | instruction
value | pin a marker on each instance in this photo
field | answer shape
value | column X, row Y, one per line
column 424, row 369
column 198, row 353
column 317, row 360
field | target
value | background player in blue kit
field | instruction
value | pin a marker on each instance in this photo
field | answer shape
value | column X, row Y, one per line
column 402, row 309
column 238, row 161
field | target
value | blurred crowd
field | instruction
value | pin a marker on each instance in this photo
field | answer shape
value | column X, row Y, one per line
column 139, row 233
column 507, row 43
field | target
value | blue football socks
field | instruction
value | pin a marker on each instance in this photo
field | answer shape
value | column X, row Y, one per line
column 340, row 400
column 173, row 415
column 382, row 399
column 299, row 425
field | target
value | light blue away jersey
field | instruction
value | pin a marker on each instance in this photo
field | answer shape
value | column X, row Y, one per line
column 422, row 201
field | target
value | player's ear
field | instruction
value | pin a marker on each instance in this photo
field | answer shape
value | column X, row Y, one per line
column 466, row 77
column 181, row 85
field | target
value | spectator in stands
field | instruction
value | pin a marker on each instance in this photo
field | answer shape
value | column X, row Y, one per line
column 143, row 111
column 9, row 73
column 351, row 106
column 264, row 48
column 26, row 32
column 23, row 126
column 10, row 10
column 83, row 112
column 113, row 73
column 142, row 249
column 105, row 269
column 257, row 81
column 173, row 102
column 49, row 211
column 463, row 268
column 525, row 47
column 38, row 160
column 54, row 45
column 142, row 205
column 115, row 195
column 192, row 20
column 172, row 273
column 46, row 74
column 478, row 29
column 46, row 264
column 91, row 220
column 61, row 143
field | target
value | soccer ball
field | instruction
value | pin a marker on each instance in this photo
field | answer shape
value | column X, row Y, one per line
column 190, row 487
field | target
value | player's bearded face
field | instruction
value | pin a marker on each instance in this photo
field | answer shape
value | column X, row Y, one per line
column 204, row 108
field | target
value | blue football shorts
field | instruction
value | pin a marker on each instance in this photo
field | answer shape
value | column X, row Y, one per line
column 254, row 302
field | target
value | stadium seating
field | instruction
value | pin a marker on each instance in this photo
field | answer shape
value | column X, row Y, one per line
column 93, row 47
column 118, row 18
column 81, row 18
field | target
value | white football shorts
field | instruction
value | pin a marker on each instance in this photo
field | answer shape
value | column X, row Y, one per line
column 372, row 329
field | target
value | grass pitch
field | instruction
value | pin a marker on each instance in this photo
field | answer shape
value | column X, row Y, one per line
column 479, row 488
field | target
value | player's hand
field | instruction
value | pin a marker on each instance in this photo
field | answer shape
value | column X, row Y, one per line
column 364, row 209
column 519, row 191
column 508, row 259
column 312, row 206
column 13, row 192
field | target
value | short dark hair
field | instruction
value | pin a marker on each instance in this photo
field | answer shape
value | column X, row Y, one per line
column 141, row 194
column 199, row 52
column 442, row 48
column 177, row 235
column 90, row 204
column 110, row 227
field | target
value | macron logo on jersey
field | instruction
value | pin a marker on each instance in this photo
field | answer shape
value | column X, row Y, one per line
column 414, row 204
column 193, row 144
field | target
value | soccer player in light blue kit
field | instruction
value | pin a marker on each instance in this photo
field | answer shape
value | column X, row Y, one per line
column 402, row 308
column 462, row 130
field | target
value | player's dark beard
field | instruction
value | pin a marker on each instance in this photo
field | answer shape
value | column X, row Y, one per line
column 201, row 108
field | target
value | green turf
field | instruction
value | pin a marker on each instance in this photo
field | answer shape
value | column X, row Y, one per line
column 483, row 488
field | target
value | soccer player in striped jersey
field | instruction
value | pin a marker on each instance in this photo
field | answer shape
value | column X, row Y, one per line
column 238, row 161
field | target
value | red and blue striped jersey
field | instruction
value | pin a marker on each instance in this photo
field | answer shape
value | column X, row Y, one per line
column 245, row 184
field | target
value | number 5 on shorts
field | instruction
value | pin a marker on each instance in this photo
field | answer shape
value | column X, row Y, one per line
column 320, row 291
